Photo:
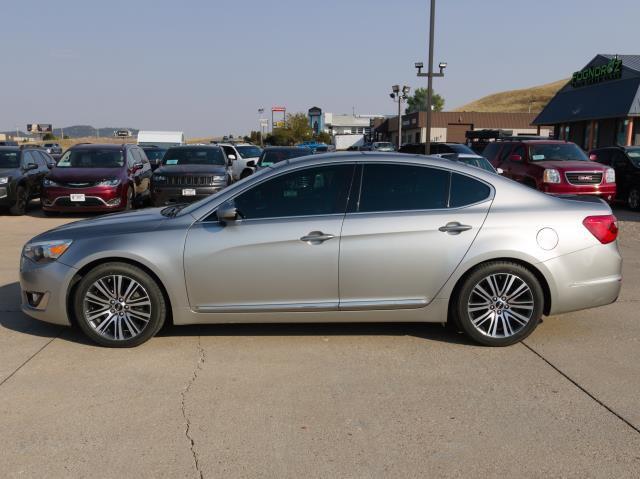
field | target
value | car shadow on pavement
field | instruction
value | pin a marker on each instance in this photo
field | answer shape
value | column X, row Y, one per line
column 625, row 214
column 13, row 319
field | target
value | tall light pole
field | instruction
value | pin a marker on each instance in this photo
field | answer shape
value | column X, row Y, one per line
column 260, row 112
column 399, row 96
column 430, row 75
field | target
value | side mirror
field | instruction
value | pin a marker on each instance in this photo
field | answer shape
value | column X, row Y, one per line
column 593, row 157
column 227, row 213
column 137, row 166
column 31, row 166
column 231, row 157
column 500, row 171
column 251, row 163
column 51, row 165
column 515, row 158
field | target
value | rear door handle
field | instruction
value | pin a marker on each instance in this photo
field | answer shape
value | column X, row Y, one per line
column 454, row 228
column 316, row 237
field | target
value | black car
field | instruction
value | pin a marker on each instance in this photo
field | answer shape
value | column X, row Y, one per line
column 625, row 160
column 436, row 148
column 21, row 175
column 276, row 154
column 8, row 143
column 190, row 173
column 155, row 154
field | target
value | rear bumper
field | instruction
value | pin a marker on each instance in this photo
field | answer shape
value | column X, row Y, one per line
column 174, row 194
column 585, row 279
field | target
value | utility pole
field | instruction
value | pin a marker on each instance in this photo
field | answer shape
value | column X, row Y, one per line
column 399, row 96
column 430, row 75
column 260, row 112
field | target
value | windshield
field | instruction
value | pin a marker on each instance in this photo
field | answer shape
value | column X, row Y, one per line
column 9, row 159
column 193, row 156
column 634, row 156
column 249, row 151
column 556, row 152
column 155, row 154
column 269, row 157
column 93, row 158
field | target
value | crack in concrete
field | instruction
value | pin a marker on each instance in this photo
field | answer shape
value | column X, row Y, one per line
column 31, row 357
column 185, row 391
column 581, row 388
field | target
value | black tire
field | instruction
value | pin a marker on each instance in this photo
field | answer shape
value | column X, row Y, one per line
column 19, row 208
column 246, row 173
column 157, row 311
column 499, row 311
column 129, row 204
column 633, row 198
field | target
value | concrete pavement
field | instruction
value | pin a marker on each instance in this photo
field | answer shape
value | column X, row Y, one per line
column 382, row 400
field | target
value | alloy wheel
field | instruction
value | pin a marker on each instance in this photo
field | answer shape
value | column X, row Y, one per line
column 117, row 307
column 500, row 305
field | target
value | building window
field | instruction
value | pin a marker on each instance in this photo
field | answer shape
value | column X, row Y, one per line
column 635, row 139
column 621, row 132
column 596, row 132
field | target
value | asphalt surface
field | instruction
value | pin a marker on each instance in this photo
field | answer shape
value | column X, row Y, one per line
column 390, row 400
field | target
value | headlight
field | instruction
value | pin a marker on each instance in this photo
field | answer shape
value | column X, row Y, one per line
column 111, row 182
column 219, row 178
column 610, row 176
column 159, row 178
column 551, row 175
column 45, row 251
column 4, row 180
column 48, row 182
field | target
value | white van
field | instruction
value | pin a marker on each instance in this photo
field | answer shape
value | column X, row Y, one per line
column 161, row 138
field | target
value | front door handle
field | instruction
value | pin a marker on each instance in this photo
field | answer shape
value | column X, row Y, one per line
column 454, row 228
column 316, row 237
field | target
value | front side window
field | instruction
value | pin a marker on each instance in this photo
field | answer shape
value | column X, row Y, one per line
column 9, row 159
column 93, row 158
column 403, row 187
column 249, row 151
column 634, row 156
column 312, row 191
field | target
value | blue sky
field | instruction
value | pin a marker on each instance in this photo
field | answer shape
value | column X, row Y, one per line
column 205, row 67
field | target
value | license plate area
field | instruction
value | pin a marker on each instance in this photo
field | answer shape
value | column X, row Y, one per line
column 78, row 197
column 188, row 192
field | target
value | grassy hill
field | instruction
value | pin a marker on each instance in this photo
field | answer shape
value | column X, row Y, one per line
column 516, row 101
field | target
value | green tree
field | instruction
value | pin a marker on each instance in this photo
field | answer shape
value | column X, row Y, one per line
column 298, row 125
column 323, row 137
column 49, row 137
column 418, row 102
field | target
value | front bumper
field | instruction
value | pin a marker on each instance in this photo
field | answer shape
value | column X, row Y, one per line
column 164, row 195
column 585, row 279
column 606, row 191
column 7, row 195
column 97, row 199
column 51, row 281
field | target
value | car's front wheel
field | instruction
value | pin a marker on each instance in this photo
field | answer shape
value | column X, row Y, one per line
column 22, row 200
column 119, row 305
column 500, row 303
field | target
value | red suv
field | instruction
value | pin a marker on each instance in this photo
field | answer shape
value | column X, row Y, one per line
column 97, row 178
column 552, row 166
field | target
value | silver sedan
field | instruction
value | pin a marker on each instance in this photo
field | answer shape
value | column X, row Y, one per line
column 336, row 237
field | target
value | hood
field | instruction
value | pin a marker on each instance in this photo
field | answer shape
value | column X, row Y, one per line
column 10, row 172
column 191, row 170
column 84, row 174
column 107, row 225
column 571, row 165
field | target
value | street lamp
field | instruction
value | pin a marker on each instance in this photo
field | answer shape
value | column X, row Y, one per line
column 399, row 96
column 430, row 74
column 260, row 123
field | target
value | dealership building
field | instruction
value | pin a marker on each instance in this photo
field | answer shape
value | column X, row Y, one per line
column 600, row 105
column 451, row 126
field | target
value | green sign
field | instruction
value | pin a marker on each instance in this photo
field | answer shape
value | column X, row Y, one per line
column 609, row 71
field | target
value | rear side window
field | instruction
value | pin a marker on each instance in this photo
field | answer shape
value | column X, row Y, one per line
column 467, row 191
column 491, row 150
column 403, row 187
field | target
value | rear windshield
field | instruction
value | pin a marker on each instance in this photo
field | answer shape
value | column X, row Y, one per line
column 556, row 152
column 193, row 156
column 478, row 163
column 249, row 151
column 9, row 159
column 93, row 158
column 155, row 154
column 460, row 148
column 269, row 157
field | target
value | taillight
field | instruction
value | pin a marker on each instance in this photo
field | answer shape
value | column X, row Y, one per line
column 604, row 227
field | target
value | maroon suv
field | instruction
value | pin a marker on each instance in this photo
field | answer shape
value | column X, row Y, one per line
column 97, row 178
column 553, row 166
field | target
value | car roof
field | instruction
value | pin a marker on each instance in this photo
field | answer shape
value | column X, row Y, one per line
column 101, row 146
column 9, row 148
column 198, row 145
column 286, row 148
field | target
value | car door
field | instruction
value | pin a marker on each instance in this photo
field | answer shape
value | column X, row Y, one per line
column 410, row 229
column 143, row 174
column 622, row 166
column 31, row 174
column 518, row 168
column 232, row 154
column 503, row 159
column 282, row 255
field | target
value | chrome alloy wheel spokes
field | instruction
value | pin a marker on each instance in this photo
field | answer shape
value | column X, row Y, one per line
column 500, row 305
column 117, row 307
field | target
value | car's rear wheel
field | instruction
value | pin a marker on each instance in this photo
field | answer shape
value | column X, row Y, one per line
column 22, row 200
column 633, row 198
column 500, row 303
column 119, row 305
